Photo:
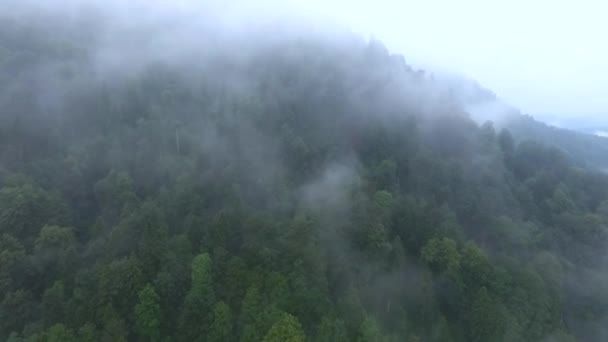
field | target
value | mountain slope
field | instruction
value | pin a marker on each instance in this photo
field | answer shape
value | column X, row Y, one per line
column 302, row 185
column 586, row 149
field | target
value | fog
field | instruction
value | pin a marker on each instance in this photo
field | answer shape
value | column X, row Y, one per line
column 315, row 157
column 545, row 57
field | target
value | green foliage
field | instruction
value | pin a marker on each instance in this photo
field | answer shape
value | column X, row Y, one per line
column 370, row 331
column 53, row 303
column 251, row 319
column 114, row 330
column 486, row 319
column 314, row 189
column 118, row 285
column 286, row 329
column 476, row 268
column 196, row 316
column 87, row 333
column 12, row 253
column 59, row 333
column 17, row 308
column 54, row 251
column 442, row 255
column 147, row 314
column 114, row 192
column 222, row 324
column 331, row 329
column 25, row 209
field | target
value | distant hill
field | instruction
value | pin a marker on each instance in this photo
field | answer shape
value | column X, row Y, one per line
column 595, row 124
column 589, row 149
column 579, row 141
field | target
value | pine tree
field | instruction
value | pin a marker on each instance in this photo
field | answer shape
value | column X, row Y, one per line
column 147, row 314
column 222, row 325
column 195, row 319
column 286, row 329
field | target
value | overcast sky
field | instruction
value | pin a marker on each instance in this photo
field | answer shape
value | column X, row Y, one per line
column 545, row 57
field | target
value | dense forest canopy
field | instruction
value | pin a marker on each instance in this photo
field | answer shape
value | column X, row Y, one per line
column 186, row 178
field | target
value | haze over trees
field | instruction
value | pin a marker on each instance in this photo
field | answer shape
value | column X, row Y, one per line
column 191, row 180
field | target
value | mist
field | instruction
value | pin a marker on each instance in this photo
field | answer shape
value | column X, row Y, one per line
column 545, row 58
column 302, row 171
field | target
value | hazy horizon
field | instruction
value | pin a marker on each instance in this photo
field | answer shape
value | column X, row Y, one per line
column 545, row 58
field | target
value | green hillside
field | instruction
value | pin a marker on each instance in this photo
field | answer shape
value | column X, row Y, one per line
column 274, row 185
column 583, row 147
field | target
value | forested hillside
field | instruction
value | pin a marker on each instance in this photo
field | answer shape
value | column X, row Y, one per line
column 274, row 185
column 589, row 150
column 586, row 149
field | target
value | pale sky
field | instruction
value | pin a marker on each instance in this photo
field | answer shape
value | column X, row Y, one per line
column 545, row 57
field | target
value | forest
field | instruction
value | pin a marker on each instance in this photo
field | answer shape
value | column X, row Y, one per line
column 275, row 185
